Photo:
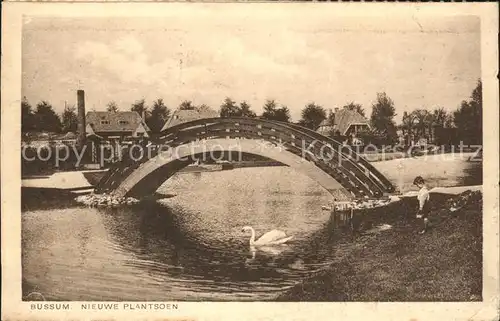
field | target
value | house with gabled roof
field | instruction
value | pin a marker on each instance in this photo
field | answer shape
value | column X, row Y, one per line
column 347, row 123
column 116, row 125
column 183, row 116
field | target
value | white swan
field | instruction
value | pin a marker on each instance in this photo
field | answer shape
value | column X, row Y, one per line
column 274, row 237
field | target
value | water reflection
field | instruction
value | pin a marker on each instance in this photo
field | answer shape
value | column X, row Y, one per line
column 161, row 244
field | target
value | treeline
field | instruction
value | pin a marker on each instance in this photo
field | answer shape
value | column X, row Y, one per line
column 43, row 118
column 465, row 124
column 467, row 119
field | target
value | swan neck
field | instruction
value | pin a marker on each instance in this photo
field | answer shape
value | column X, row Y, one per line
column 252, row 238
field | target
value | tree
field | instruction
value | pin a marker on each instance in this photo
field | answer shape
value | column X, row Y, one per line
column 355, row 107
column 27, row 116
column 283, row 114
column 272, row 112
column 312, row 116
column 158, row 116
column 203, row 108
column 270, row 108
column 331, row 117
column 477, row 94
column 421, row 120
column 461, row 119
column 140, row 107
column 229, row 108
column 382, row 118
column 370, row 136
column 476, row 104
column 330, row 121
column 439, row 116
column 448, row 122
column 69, row 119
column 407, row 127
column 245, row 110
column 406, row 122
column 187, row 105
column 468, row 118
column 112, row 107
column 46, row 118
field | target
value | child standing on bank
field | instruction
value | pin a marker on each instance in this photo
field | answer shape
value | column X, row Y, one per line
column 423, row 202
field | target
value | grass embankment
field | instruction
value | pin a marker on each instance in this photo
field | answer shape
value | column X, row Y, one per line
column 33, row 198
column 445, row 264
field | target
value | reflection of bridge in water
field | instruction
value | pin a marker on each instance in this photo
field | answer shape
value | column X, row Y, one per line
column 336, row 167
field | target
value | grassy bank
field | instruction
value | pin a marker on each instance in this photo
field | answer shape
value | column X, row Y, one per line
column 444, row 264
column 45, row 198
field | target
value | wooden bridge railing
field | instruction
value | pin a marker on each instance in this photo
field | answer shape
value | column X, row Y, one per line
column 353, row 172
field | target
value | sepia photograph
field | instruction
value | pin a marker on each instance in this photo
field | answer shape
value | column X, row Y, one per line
column 214, row 153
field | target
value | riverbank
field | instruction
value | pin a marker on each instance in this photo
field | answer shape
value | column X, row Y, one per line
column 33, row 198
column 445, row 264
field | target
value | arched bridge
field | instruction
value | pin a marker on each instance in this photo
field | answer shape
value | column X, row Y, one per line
column 334, row 166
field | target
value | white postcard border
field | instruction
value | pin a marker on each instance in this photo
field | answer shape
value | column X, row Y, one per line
column 14, row 309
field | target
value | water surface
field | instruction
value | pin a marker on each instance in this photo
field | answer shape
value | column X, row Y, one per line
column 189, row 247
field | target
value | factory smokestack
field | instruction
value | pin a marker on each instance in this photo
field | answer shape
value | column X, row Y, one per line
column 81, row 135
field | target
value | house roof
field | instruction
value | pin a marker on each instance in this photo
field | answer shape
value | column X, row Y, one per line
column 344, row 118
column 325, row 123
column 184, row 116
column 122, row 121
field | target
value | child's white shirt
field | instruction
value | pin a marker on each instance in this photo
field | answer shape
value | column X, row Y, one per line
column 423, row 196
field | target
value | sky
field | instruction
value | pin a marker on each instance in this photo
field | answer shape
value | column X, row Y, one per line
column 205, row 55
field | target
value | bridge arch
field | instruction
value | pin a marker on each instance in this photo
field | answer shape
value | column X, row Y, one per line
column 150, row 175
column 343, row 166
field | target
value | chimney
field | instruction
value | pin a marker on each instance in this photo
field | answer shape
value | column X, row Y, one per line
column 143, row 115
column 81, row 135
